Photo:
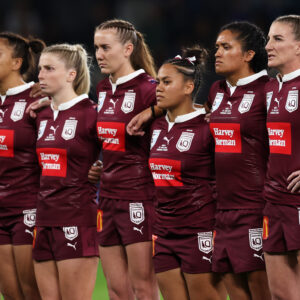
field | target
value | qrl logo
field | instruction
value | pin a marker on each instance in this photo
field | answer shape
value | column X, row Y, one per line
column 70, row 232
column 137, row 214
column 255, row 238
column 128, row 102
column 205, row 241
column 29, row 217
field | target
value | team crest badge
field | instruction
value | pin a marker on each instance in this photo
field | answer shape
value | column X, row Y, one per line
column 42, row 128
column 101, row 99
column 205, row 241
column 217, row 101
column 154, row 137
column 29, row 217
column 268, row 99
column 18, row 110
column 255, row 238
column 71, row 233
column 185, row 141
column 128, row 102
column 246, row 103
column 137, row 214
column 292, row 101
column 69, row 129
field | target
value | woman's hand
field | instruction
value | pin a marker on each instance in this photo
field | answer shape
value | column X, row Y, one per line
column 294, row 182
column 95, row 172
column 37, row 105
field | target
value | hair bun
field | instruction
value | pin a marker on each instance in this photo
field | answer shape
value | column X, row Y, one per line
column 198, row 52
column 36, row 45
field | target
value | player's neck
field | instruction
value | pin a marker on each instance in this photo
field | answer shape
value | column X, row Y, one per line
column 243, row 73
column 124, row 70
column 10, row 81
column 63, row 97
column 183, row 109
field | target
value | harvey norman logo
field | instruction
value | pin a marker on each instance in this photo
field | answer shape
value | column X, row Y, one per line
column 166, row 172
column 6, row 143
column 227, row 137
column 279, row 137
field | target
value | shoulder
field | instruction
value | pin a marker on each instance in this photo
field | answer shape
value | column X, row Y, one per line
column 103, row 84
column 145, row 82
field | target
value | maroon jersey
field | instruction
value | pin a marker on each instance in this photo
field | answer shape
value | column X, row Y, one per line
column 283, row 124
column 19, row 170
column 238, row 124
column 181, row 162
column 66, row 148
column 125, row 158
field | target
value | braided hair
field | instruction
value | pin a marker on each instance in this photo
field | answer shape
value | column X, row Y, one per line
column 141, row 57
column 192, row 66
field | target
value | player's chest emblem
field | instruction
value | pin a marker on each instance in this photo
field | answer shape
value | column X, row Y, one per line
column 18, row 110
column 128, row 102
column 101, row 99
column 154, row 137
column 42, row 128
column 69, row 129
column 292, row 101
column 2, row 113
column 246, row 103
column 137, row 214
column 269, row 96
column 185, row 141
column 217, row 101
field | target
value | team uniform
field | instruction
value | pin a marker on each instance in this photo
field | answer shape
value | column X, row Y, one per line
column 19, row 170
column 126, row 187
column 282, row 211
column 182, row 165
column 67, row 146
column 238, row 125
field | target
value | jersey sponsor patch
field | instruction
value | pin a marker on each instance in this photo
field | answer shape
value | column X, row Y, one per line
column 42, row 128
column 112, row 134
column 205, row 241
column 53, row 161
column 18, row 110
column 227, row 137
column 101, row 99
column 29, row 217
column 292, row 101
column 218, row 99
column 155, row 135
column 166, row 172
column 269, row 96
column 69, row 129
column 6, row 143
column 185, row 141
column 280, row 137
column 246, row 103
column 137, row 213
column 71, row 232
column 128, row 102
column 255, row 238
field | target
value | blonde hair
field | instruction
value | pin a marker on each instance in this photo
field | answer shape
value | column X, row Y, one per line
column 292, row 20
column 141, row 57
column 75, row 57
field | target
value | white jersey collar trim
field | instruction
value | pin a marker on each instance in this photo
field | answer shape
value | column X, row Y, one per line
column 249, row 79
column 289, row 76
column 126, row 78
column 69, row 104
column 19, row 89
column 187, row 117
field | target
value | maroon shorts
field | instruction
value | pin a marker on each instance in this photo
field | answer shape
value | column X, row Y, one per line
column 238, row 241
column 281, row 228
column 59, row 243
column 123, row 222
column 191, row 252
column 18, row 229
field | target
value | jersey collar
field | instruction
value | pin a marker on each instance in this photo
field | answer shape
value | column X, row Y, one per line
column 69, row 104
column 16, row 90
column 289, row 76
column 248, row 79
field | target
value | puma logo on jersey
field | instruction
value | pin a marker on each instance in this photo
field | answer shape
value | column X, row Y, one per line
column 54, row 129
column 259, row 256
column 71, row 245
column 277, row 101
column 207, row 258
column 28, row 231
column 167, row 140
column 113, row 102
column 138, row 229
column 230, row 104
column 2, row 113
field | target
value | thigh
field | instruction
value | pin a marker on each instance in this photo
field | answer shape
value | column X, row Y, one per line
column 9, row 284
column 205, row 286
column 77, row 277
column 237, row 286
column 172, row 285
column 283, row 271
column 115, row 269
column 47, row 279
column 258, row 285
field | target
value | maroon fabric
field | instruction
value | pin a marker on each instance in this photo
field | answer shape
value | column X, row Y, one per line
column 283, row 124
column 238, row 124
column 238, row 241
column 19, row 170
column 181, row 161
column 125, row 171
column 59, row 243
column 67, row 147
column 125, row 222
column 17, row 229
column 281, row 228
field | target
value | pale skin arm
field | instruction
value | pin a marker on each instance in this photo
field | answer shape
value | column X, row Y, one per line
column 294, row 182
